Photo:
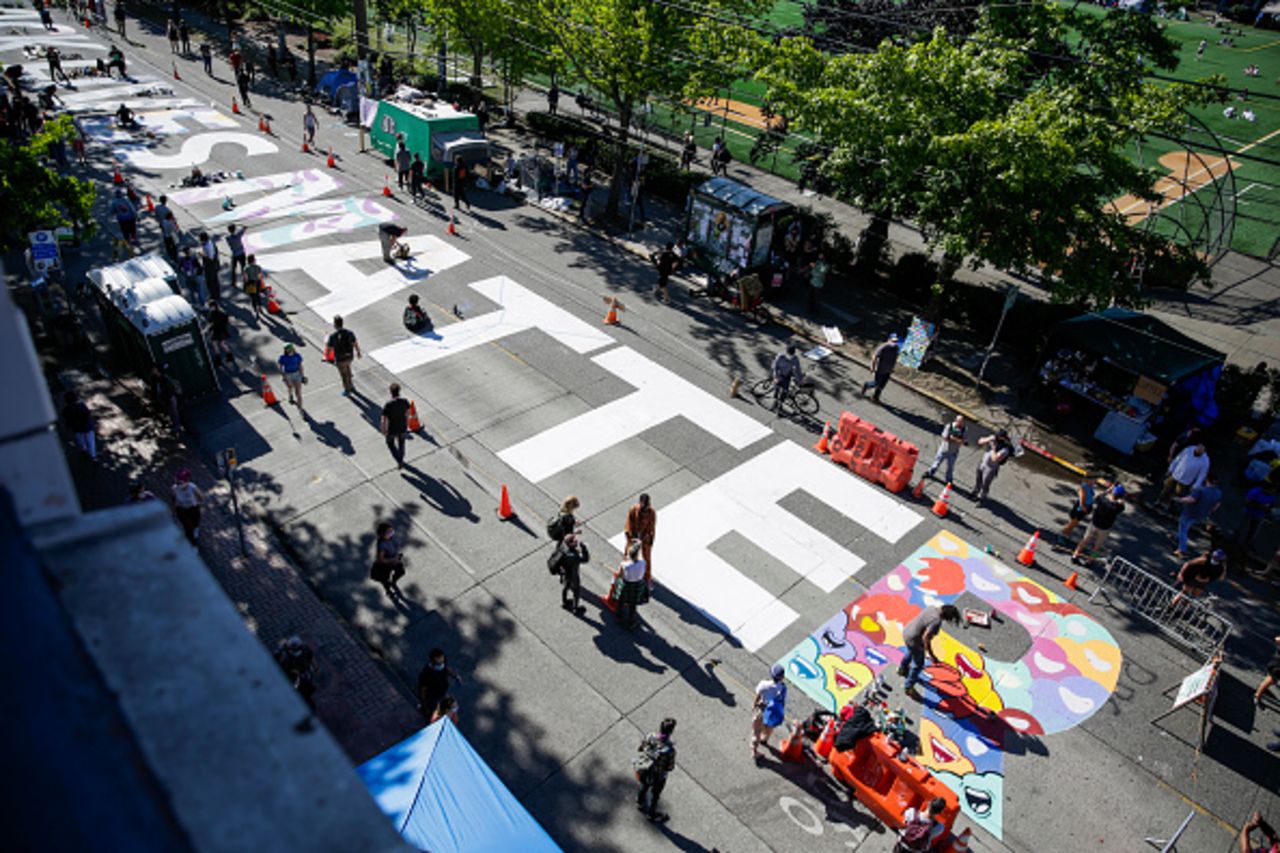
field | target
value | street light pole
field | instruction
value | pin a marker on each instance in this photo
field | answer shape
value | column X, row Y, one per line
column 1010, row 297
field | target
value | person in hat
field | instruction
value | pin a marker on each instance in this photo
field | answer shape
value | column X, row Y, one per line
column 291, row 371
column 1196, row 574
column 883, row 360
column 769, row 709
column 187, row 498
column 999, row 447
column 1106, row 509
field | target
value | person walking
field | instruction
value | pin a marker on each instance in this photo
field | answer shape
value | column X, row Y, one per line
column 460, row 184
column 219, row 333
column 298, row 663
column 209, row 259
column 786, row 367
column 656, row 760
column 1081, row 508
column 169, row 230
column 235, row 245
column 433, row 682
column 1186, row 471
column 448, row 707
column 395, row 423
column 667, row 263
column 564, row 522
column 566, row 560
column 171, row 33
column 242, row 84
column 120, row 17
column 883, row 360
column 79, row 421
column 817, row 281
column 403, row 161
column 633, row 586
column 918, row 635
column 309, row 126
column 184, row 35
column 953, row 438
column 417, row 175
column 54, row 58
column 253, row 283
column 126, row 216
column 769, row 709
column 1196, row 507
column 642, row 524
column 187, row 499
column 999, row 448
column 553, row 98
column 1272, row 676
column 206, row 57
column 388, row 562
column 1106, row 510
column 345, row 347
column 290, row 363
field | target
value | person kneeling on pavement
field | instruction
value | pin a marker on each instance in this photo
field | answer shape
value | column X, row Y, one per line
column 922, row 828
column 393, row 249
column 918, row 636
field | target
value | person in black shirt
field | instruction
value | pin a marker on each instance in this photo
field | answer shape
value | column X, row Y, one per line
column 297, row 660
column 342, row 347
column 1106, row 509
column 79, row 422
column 395, row 423
column 667, row 263
column 416, row 171
column 433, row 682
column 389, row 235
column 219, row 333
column 567, row 560
column 415, row 319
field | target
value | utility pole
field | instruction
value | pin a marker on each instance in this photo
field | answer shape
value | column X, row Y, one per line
column 362, row 28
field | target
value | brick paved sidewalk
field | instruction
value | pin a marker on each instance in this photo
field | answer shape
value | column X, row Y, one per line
column 362, row 704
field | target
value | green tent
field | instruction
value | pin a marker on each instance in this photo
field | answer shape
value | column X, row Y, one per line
column 1138, row 343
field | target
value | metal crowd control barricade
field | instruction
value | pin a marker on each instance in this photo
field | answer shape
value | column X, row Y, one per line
column 1192, row 622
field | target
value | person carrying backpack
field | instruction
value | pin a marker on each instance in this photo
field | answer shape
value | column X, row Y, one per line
column 344, row 346
column 655, row 761
column 563, row 522
column 566, row 561
column 770, row 708
column 921, row 829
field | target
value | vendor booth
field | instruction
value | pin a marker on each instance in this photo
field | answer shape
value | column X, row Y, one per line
column 731, row 225
column 149, row 325
column 442, row 797
column 1127, row 370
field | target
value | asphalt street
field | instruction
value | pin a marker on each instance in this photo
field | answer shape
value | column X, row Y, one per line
column 760, row 541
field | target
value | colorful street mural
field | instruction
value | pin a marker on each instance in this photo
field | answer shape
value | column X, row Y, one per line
column 971, row 702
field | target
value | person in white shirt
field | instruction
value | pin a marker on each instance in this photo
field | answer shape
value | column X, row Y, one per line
column 187, row 498
column 1186, row 472
column 769, row 709
column 921, row 828
column 633, row 586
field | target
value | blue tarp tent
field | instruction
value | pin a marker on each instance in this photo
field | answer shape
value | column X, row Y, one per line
column 442, row 797
column 331, row 81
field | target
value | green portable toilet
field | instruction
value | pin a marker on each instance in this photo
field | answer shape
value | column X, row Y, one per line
column 435, row 130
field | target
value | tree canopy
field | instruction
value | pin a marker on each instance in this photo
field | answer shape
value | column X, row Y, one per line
column 1003, row 146
column 39, row 197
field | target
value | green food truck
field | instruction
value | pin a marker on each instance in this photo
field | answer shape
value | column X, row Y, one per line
column 435, row 130
column 149, row 325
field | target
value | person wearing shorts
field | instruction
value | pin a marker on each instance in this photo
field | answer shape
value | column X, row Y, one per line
column 1106, row 509
column 219, row 333
column 291, row 370
column 1196, row 574
column 253, row 284
column 1272, row 676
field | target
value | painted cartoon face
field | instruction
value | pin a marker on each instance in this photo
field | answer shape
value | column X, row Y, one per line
column 939, row 752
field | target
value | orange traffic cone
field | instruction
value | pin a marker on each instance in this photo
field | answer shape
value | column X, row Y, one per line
column 504, row 505
column 328, row 354
column 176, row 75
column 264, row 124
column 235, row 107
column 386, row 189
column 268, row 396
column 793, row 746
column 273, row 304
column 824, row 444
column 611, row 318
column 151, row 205
column 306, row 149
column 452, row 230
column 1073, row 581
column 415, row 425
column 116, row 177
column 919, row 489
column 827, row 739
column 943, row 503
column 332, row 162
column 1027, row 555
column 960, row 843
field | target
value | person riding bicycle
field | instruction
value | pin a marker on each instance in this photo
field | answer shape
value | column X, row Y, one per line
column 786, row 367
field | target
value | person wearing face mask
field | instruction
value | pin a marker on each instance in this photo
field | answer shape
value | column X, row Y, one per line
column 1186, row 472
column 433, row 682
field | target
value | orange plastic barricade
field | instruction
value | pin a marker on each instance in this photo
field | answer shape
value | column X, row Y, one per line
column 847, row 432
column 899, row 463
column 889, row 786
column 868, row 457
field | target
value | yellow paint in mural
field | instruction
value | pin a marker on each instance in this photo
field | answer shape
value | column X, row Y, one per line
column 940, row 753
column 972, row 669
column 845, row 679
column 1096, row 659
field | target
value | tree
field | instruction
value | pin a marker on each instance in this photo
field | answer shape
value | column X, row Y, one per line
column 39, row 197
column 314, row 13
column 848, row 26
column 1002, row 155
column 634, row 50
column 478, row 24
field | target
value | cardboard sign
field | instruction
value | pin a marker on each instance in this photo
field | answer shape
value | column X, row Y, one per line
column 1149, row 390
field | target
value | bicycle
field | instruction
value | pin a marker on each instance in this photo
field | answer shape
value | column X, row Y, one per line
column 721, row 290
column 799, row 396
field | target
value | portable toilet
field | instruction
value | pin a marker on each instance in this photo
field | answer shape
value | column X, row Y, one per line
column 171, row 330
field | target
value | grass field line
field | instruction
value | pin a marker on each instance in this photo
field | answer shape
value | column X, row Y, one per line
column 1258, row 47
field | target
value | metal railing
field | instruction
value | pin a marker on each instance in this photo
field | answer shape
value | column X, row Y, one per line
column 1189, row 621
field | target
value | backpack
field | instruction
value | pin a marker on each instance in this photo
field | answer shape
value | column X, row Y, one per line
column 914, row 837
column 643, row 763
column 342, row 346
column 553, row 562
column 555, row 527
column 776, row 710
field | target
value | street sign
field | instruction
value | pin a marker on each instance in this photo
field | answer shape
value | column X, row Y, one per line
column 44, row 250
column 229, row 457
